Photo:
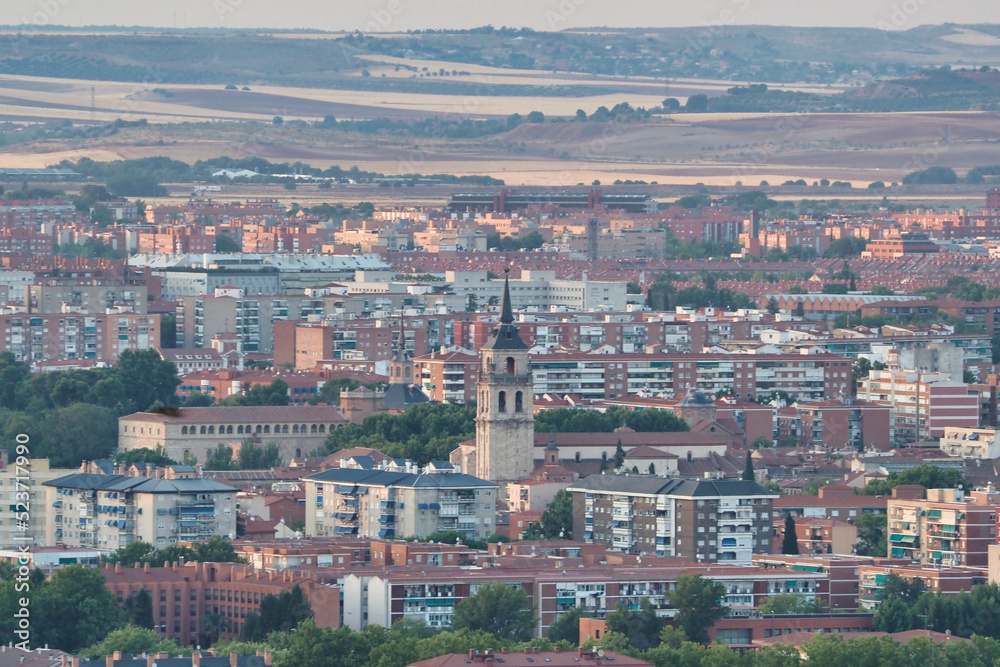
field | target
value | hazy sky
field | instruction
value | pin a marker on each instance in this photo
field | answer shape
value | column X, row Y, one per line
column 393, row 15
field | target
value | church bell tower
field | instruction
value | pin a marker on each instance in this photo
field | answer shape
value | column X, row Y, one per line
column 505, row 421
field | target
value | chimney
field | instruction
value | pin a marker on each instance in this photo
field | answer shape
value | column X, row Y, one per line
column 109, row 661
column 162, row 656
column 118, row 568
column 195, row 659
column 472, row 654
column 145, row 567
column 557, row 649
column 63, row 661
column 117, row 655
column 150, row 659
column 233, row 658
column 267, row 658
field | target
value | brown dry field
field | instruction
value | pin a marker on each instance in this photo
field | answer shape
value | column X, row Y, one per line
column 200, row 122
column 713, row 149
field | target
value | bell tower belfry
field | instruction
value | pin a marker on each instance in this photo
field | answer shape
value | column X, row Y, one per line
column 505, row 420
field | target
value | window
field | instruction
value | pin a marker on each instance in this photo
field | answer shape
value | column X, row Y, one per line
column 519, row 402
column 502, row 402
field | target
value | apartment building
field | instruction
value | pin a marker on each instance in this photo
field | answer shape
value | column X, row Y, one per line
column 703, row 520
column 555, row 581
column 817, row 535
column 37, row 338
column 923, row 405
column 32, row 480
column 936, row 578
column 947, row 527
column 380, row 503
column 806, row 377
column 971, row 443
column 448, row 376
column 844, row 422
column 298, row 430
column 540, row 290
column 832, row 502
column 112, row 511
column 841, row 572
column 56, row 296
column 183, row 595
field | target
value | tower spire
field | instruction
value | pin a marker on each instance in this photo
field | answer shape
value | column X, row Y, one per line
column 506, row 311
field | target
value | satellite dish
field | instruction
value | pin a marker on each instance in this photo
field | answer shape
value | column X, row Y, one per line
column 600, row 653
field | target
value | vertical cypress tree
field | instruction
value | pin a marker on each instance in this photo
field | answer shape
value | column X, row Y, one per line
column 790, row 544
column 748, row 470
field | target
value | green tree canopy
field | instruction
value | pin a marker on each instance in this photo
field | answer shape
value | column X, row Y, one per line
column 556, row 521
column 134, row 640
column 498, row 609
column 698, row 602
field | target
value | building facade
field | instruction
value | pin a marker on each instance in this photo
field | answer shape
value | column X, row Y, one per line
column 112, row 511
column 298, row 430
column 379, row 503
column 703, row 520
column 948, row 527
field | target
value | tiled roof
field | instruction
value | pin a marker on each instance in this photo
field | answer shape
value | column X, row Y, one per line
column 388, row 478
column 245, row 414
column 82, row 480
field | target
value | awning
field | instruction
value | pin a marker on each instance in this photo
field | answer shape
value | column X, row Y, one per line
column 896, row 552
column 435, row 506
column 386, row 532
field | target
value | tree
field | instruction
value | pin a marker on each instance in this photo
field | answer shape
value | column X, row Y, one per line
column 196, row 399
column 790, row 603
column 698, row 602
column 697, row 103
column 871, row 535
column 213, row 625
column 907, row 590
column 256, row 457
column 761, row 441
column 556, row 521
column 139, row 607
column 283, row 612
column 144, row 455
column 225, row 243
column 214, row 550
column 130, row 554
column 790, row 542
column 772, row 306
column 73, row 609
column 275, row 393
column 927, row 476
column 671, row 105
column 619, row 455
column 498, row 609
column 134, row 640
column 147, row 378
column 748, row 472
column 800, row 309
column 219, row 458
column 893, row 615
column 566, row 627
column 642, row 627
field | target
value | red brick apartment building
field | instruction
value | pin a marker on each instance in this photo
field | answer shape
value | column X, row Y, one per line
column 183, row 595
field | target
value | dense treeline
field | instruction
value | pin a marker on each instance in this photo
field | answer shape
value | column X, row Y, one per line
column 909, row 605
column 71, row 416
column 423, row 433
column 430, row 431
column 565, row 420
